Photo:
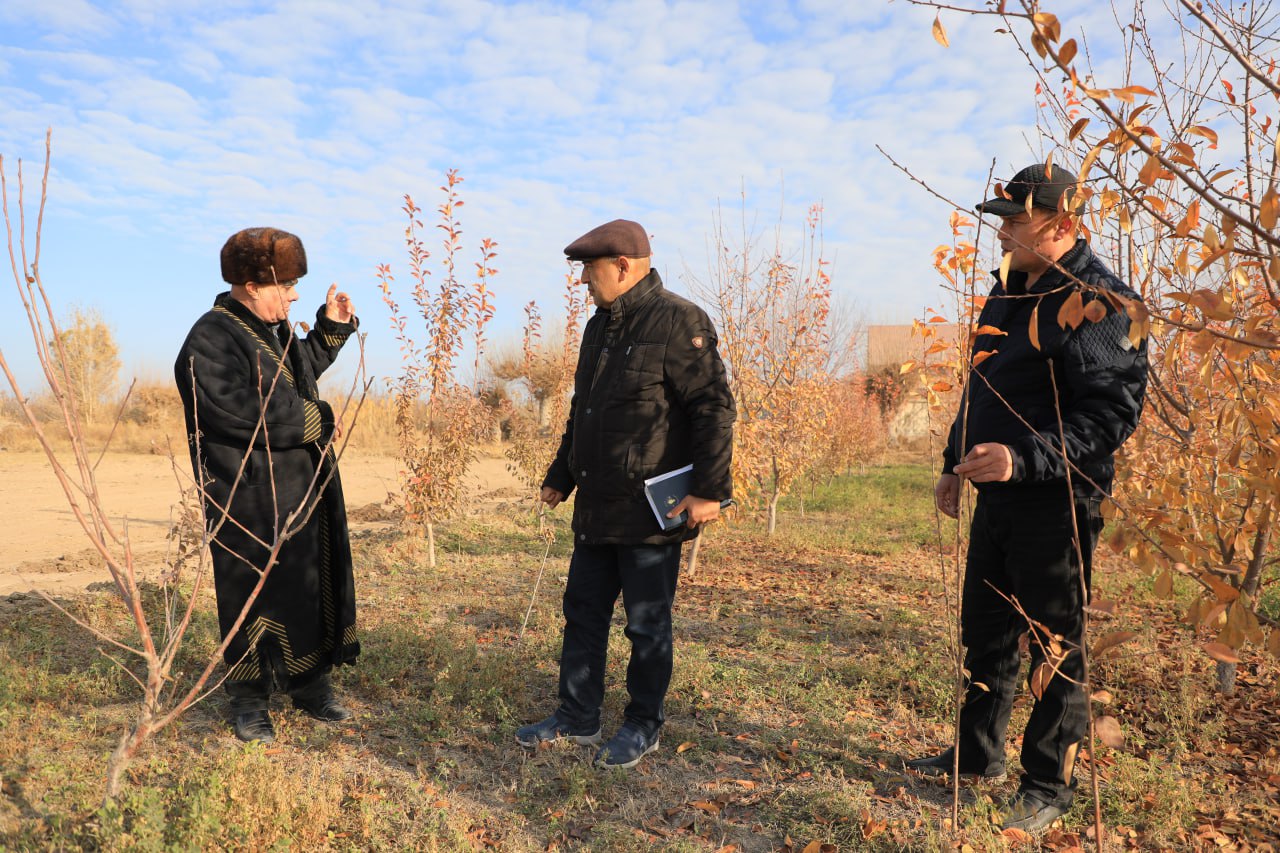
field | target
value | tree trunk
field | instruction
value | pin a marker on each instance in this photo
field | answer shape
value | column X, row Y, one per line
column 693, row 557
column 773, row 513
column 1226, row 678
column 124, row 752
column 1226, row 672
column 431, row 545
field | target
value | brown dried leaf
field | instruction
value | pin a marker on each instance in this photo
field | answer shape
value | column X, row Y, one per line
column 939, row 32
column 1108, row 732
column 1095, row 311
column 1033, row 332
column 1111, row 641
column 1269, row 209
column 1040, row 679
column 1071, row 312
column 1223, row 591
column 1016, row 837
column 990, row 330
column 685, row 747
column 1150, row 171
column 980, row 357
column 1221, row 653
column 1067, row 52
column 1164, row 585
column 1212, row 136
column 1273, row 643
column 1079, row 126
column 1048, row 25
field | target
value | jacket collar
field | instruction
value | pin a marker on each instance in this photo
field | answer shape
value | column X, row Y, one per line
column 643, row 290
column 225, row 301
column 1073, row 263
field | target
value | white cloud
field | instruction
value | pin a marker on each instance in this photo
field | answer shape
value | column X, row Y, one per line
column 73, row 17
column 319, row 116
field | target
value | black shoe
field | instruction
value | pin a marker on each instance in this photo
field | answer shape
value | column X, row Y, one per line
column 554, row 728
column 944, row 763
column 254, row 726
column 1031, row 812
column 626, row 748
column 323, row 707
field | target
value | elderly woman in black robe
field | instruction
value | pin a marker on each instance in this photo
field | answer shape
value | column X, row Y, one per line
column 260, row 438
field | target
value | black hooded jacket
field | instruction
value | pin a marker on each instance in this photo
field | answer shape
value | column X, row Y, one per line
column 650, row 396
column 1101, row 381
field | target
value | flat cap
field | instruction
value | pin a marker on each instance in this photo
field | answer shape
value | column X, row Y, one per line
column 1048, row 188
column 618, row 238
column 263, row 255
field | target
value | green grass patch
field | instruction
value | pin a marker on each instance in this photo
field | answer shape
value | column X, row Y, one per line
column 881, row 511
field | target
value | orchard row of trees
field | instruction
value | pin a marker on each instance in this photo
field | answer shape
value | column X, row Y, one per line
column 803, row 407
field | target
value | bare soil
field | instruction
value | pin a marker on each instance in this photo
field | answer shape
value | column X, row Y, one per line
column 43, row 546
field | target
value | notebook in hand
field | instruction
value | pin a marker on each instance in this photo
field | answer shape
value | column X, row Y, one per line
column 666, row 490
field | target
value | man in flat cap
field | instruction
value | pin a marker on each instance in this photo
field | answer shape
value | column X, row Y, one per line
column 260, row 438
column 650, row 396
column 1040, row 484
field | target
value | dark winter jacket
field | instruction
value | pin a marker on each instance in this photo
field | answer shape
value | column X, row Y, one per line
column 650, row 396
column 234, row 371
column 1101, row 380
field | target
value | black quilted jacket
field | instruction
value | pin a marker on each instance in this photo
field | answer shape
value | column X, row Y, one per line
column 650, row 396
column 1101, row 379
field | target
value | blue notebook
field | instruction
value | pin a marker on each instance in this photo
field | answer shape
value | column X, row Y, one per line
column 666, row 490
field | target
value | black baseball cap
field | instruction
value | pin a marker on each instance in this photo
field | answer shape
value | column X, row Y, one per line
column 1049, row 188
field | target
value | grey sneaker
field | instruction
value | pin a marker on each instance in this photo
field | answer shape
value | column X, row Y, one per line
column 1030, row 812
column 625, row 749
column 943, row 763
column 554, row 728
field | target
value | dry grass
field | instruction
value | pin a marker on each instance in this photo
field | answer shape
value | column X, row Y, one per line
column 806, row 668
column 150, row 420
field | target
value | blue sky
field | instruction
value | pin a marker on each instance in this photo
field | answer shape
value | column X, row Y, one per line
column 177, row 122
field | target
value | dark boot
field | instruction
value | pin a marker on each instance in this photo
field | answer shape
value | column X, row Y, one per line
column 249, row 715
column 943, row 764
column 317, row 700
column 254, row 725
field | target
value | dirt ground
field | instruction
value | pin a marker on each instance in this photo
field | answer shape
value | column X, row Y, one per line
column 44, row 547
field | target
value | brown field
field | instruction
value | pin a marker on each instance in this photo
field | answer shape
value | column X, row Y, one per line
column 45, row 547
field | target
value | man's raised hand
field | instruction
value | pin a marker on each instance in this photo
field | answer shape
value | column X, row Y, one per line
column 337, row 306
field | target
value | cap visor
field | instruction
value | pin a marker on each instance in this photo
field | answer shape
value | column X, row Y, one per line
column 1001, row 207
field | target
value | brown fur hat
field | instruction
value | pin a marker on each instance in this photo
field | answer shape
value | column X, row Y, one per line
column 263, row 255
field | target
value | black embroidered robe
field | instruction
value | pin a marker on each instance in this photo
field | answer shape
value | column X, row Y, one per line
column 249, row 390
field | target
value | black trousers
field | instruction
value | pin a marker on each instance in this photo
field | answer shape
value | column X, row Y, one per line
column 646, row 576
column 256, row 695
column 1024, row 549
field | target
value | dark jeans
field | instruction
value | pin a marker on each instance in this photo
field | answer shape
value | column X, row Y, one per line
column 1024, row 549
column 646, row 577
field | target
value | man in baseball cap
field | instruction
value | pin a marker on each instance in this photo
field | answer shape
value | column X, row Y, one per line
column 1040, row 485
